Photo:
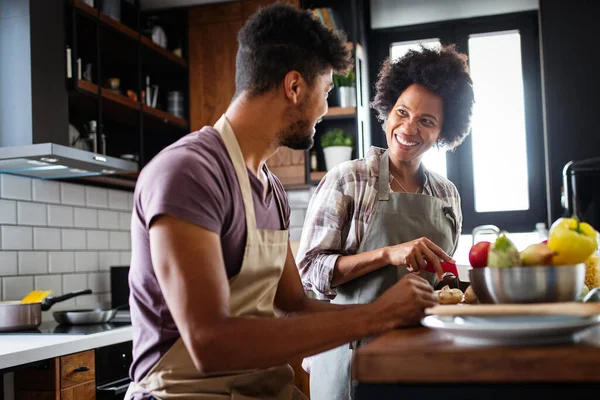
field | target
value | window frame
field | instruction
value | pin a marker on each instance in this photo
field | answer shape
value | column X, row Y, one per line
column 460, row 162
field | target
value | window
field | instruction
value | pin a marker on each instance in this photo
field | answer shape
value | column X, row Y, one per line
column 499, row 169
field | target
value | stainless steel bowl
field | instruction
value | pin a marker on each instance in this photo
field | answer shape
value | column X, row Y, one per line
column 542, row 284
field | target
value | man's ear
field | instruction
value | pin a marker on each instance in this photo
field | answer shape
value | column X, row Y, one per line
column 293, row 86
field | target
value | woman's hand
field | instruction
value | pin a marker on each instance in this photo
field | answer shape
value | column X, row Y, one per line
column 416, row 254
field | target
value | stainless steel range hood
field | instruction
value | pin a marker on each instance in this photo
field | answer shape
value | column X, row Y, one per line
column 53, row 161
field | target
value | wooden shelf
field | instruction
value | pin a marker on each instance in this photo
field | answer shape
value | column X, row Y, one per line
column 316, row 176
column 165, row 116
column 119, row 98
column 87, row 86
column 84, row 7
column 113, row 23
column 165, row 53
column 340, row 112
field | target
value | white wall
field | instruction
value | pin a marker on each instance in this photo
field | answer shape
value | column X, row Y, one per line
column 389, row 13
column 61, row 237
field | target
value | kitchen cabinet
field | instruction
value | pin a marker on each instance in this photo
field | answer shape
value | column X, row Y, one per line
column 69, row 377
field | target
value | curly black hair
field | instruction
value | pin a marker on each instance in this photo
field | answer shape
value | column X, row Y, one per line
column 281, row 38
column 443, row 71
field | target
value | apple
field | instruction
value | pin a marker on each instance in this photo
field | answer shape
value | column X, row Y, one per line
column 478, row 255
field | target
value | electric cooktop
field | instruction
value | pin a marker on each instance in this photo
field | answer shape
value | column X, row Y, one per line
column 52, row 327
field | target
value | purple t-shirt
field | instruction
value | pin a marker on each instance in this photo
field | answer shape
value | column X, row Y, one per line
column 193, row 179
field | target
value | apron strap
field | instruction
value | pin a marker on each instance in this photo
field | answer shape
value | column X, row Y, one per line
column 384, row 176
column 235, row 153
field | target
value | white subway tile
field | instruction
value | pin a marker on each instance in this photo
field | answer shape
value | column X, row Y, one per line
column 299, row 198
column 97, row 240
column 61, row 261
column 16, row 287
column 15, row 187
column 86, row 261
column 72, row 194
column 86, row 218
column 108, row 219
column 297, row 217
column 48, row 282
column 74, row 282
column 60, row 216
column 107, row 259
column 8, row 212
column 32, row 214
column 99, row 282
column 96, row 197
column 125, row 221
column 73, row 239
column 33, row 262
column 17, row 238
column 92, row 301
column 118, row 200
column 125, row 258
column 46, row 191
column 119, row 241
column 46, row 239
column 8, row 263
column 63, row 305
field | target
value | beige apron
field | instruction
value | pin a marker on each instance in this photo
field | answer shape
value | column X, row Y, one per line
column 252, row 292
column 399, row 217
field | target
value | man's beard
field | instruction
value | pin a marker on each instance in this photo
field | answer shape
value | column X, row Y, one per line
column 298, row 135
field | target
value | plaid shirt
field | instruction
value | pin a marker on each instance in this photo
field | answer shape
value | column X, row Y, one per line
column 339, row 213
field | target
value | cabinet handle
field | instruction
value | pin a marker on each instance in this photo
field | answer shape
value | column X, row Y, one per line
column 81, row 369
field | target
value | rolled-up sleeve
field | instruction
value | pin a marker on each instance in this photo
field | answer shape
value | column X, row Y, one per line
column 325, row 226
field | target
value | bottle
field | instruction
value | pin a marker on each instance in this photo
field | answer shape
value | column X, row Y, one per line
column 313, row 161
column 92, row 137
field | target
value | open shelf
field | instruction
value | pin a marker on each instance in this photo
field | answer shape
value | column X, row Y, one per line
column 340, row 112
column 119, row 98
column 165, row 53
column 165, row 116
column 84, row 7
column 87, row 86
column 119, row 26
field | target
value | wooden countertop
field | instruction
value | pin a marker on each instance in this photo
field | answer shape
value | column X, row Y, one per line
column 423, row 355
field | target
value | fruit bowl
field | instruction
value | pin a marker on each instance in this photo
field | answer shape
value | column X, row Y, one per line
column 531, row 284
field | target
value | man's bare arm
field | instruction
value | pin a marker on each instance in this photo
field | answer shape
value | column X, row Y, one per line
column 189, row 266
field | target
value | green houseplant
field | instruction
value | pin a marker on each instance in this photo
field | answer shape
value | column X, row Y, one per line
column 337, row 147
column 344, row 91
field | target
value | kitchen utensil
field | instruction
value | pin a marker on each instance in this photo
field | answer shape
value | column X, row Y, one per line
column 16, row 316
column 479, row 286
column 541, row 284
column 36, row 296
column 88, row 316
column 510, row 329
column 566, row 308
column 446, row 266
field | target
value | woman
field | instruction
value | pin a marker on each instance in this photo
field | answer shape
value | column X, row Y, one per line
column 373, row 220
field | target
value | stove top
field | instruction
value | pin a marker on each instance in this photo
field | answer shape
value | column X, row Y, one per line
column 53, row 328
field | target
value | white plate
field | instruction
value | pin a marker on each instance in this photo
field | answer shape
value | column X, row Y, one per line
column 511, row 330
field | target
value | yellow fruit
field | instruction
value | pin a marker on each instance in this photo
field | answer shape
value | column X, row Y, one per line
column 537, row 254
column 572, row 240
column 592, row 272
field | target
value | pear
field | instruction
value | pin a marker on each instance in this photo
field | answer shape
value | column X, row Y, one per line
column 537, row 254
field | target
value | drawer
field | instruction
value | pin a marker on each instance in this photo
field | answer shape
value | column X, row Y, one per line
column 77, row 368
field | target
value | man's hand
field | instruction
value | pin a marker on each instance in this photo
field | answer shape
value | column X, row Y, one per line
column 416, row 254
column 404, row 303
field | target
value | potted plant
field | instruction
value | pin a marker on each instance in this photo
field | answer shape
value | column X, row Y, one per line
column 337, row 147
column 344, row 91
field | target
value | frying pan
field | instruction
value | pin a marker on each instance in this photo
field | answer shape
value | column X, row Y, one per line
column 15, row 316
column 83, row 317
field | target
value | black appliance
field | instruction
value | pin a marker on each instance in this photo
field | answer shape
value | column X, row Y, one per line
column 119, row 286
column 112, row 370
column 581, row 182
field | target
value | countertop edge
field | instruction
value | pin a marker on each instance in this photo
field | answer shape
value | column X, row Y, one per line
column 57, row 347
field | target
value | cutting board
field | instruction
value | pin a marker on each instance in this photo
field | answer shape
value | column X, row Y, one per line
column 567, row 308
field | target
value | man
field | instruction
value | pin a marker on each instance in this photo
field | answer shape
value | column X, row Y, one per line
column 211, row 262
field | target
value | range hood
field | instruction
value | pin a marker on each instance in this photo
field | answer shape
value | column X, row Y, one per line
column 54, row 161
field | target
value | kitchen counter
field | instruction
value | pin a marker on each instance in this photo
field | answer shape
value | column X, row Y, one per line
column 424, row 362
column 18, row 349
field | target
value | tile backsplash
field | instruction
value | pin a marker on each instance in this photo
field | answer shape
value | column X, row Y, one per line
column 62, row 237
